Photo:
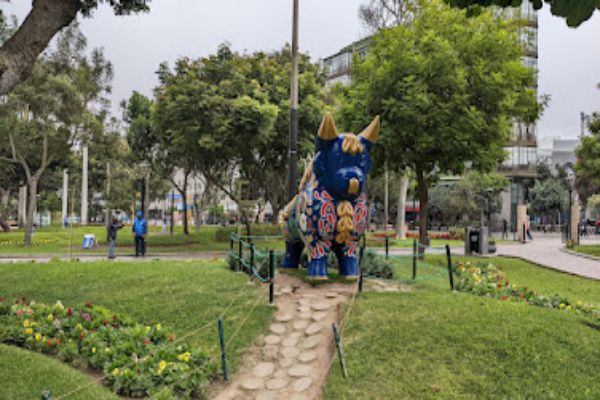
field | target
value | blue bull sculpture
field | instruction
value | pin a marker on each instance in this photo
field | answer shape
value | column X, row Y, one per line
column 329, row 213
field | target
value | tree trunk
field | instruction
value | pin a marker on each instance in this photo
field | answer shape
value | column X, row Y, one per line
column 33, row 182
column 423, row 209
column 19, row 52
column 401, row 215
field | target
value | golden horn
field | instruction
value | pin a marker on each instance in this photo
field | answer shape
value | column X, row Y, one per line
column 371, row 133
column 327, row 130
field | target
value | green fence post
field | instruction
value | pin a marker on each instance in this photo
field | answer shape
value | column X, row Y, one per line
column 450, row 272
column 387, row 246
column 251, row 259
column 271, row 276
column 360, row 265
column 338, row 345
column 240, row 253
column 414, row 274
column 223, row 354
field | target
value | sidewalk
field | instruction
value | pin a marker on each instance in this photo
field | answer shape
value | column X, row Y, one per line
column 98, row 257
column 546, row 251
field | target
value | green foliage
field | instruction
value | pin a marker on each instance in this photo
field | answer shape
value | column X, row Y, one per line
column 575, row 12
column 223, row 233
column 136, row 359
column 587, row 167
column 548, row 197
column 377, row 266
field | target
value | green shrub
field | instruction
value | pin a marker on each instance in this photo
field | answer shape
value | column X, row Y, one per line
column 456, row 232
column 223, row 233
column 377, row 266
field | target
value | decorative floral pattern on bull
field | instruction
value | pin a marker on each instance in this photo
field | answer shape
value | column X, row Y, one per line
column 329, row 213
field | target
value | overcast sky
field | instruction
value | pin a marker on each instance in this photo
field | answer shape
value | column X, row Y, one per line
column 569, row 59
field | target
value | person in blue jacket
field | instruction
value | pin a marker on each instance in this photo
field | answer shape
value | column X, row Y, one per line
column 140, row 229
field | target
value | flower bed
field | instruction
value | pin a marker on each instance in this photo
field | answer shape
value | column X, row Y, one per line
column 486, row 279
column 136, row 360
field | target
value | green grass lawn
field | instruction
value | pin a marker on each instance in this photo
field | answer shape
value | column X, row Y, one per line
column 590, row 249
column 432, row 343
column 54, row 241
column 182, row 296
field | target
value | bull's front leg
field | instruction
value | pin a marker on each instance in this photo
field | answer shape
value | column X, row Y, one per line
column 319, row 252
column 347, row 258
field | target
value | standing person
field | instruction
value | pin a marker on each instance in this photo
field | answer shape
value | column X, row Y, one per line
column 111, row 235
column 140, row 229
column 504, row 229
column 528, row 230
column 164, row 225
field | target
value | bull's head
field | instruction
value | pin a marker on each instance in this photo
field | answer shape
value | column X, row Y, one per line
column 343, row 160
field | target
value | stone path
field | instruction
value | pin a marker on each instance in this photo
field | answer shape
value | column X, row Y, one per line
column 292, row 360
column 546, row 251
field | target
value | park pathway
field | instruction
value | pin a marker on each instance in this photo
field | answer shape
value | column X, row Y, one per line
column 292, row 360
column 546, row 250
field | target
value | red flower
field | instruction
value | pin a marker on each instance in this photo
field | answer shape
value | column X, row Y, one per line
column 49, row 343
column 88, row 304
column 69, row 311
column 146, row 342
column 81, row 335
column 504, row 297
column 170, row 338
column 58, row 341
column 105, row 322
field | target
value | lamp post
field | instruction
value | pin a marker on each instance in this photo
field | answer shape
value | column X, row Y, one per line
column 571, row 184
column 293, row 144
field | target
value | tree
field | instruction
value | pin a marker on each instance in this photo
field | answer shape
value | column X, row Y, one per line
column 46, row 18
column 380, row 14
column 447, row 88
column 587, row 168
column 547, row 198
column 575, row 12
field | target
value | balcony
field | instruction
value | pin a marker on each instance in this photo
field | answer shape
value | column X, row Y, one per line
column 518, row 171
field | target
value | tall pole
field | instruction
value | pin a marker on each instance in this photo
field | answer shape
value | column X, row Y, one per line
column 65, row 197
column 293, row 145
column 386, row 200
column 107, row 222
column 84, row 187
column 172, row 209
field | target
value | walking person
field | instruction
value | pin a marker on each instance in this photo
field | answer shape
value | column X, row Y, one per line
column 111, row 235
column 528, row 230
column 504, row 229
column 140, row 229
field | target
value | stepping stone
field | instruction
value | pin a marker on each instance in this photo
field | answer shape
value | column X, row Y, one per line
column 309, row 296
column 304, row 309
column 280, row 374
column 302, row 384
column 311, row 342
column 313, row 328
column 307, row 356
column 263, row 369
column 252, row 384
column 284, row 317
column 277, row 328
column 298, row 396
column 305, row 315
column 276, row 384
column 286, row 290
column 289, row 341
column 300, row 325
column 270, row 352
column 295, row 335
column 319, row 315
column 304, row 302
column 298, row 371
column 290, row 352
column 286, row 362
column 265, row 396
column 272, row 339
column 331, row 295
column 321, row 306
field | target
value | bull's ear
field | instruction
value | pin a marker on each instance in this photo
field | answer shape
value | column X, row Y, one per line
column 327, row 130
column 371, row 133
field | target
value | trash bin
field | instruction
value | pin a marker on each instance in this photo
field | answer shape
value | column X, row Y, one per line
column 474, row 235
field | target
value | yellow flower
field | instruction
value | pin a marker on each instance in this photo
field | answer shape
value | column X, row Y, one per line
column 107, row 350
column 50, row 317
column 28, row 331
column 93, row 350
column 185, row 357
column 158, row 327
column 147, row 329
column 115, row 372
column 79, row 327
column 38, row 337
column 562, row 306
column 161, row 366
column 26, row 323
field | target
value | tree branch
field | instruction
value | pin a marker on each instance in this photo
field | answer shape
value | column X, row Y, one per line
column 19, row 52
